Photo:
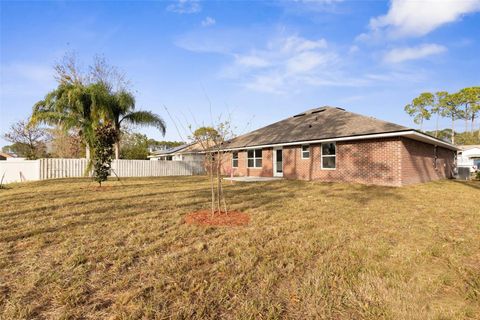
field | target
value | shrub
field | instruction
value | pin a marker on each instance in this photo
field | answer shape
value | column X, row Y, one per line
column 103, row 152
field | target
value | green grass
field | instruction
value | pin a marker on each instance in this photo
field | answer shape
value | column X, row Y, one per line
column 312, row 250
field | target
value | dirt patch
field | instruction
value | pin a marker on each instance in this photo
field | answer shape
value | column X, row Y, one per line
column 206, row 218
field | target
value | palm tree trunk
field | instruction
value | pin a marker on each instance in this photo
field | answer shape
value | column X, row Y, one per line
column 436, row 126
column 87, row 152
column 117, row 150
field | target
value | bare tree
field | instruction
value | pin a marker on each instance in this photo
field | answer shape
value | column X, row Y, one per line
column 30, row 139
column 212, row 140
column 68, row 70
column 66, row 144
column 110, row 76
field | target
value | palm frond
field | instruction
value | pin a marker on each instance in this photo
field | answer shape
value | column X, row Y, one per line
column 145, row 118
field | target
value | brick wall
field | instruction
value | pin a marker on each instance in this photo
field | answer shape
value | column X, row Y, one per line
column 390, row 161
column 364, row 161
column 243, row 171
column 418, row 162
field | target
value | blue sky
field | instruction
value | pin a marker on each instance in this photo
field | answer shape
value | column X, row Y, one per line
column 257, row 61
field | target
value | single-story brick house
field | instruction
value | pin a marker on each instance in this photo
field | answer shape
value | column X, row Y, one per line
column 331, row 144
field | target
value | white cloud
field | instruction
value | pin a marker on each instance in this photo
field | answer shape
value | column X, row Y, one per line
column 208, row 21
column 283, row 63
column 417, row 18
column 26, row 78
column 309, row 6
column 251, row 60
column 307, row 61
column 319, row 1
column 269, row 83
column 412, row 53
column 353, row 49
column 185, row 6
column 298, row 44
column 288, row 63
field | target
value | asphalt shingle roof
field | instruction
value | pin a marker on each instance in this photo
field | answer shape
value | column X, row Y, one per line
column 315, row 124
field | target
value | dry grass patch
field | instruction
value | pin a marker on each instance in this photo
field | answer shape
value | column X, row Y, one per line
column 310, row 250
column 208, row 218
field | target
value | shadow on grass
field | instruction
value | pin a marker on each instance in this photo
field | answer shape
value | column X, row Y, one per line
column 99, row 201
column 257, row 195
column 263, row 196
column 86, row 222
column 471, row 184
column 267, row 195
column 359, row 193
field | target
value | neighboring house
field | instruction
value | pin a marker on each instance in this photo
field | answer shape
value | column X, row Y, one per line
column 331, row 144
column 469, row 156
column 156, row 148
column 4, row 156
column 186, row 152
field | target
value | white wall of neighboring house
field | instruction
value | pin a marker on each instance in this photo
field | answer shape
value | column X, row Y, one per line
column 19, row 169
column 193, row 157
column 180, row 157
column 468, row 158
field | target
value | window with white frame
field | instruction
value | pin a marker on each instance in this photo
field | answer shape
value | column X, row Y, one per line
column 254, row 158
column 235, row 159
column 329, row 155
column 305, row 151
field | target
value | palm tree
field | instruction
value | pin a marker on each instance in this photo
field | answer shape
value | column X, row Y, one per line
column 121, row 109
column 73, row 105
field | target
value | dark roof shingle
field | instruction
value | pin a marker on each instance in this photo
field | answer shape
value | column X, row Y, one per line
column 315, row 124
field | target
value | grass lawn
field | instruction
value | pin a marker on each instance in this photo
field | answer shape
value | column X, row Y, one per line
column 311, row 250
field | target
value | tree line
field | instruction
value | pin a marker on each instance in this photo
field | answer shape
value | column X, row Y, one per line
column 461, row 105
column 34, row 142
column 84, row 101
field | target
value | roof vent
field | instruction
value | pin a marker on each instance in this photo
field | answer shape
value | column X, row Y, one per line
column 311, row 111
column 318, row 111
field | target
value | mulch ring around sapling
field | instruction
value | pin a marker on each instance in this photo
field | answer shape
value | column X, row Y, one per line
column 206, row 218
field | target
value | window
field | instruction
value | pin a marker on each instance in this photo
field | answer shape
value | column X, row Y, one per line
column 234, row 159
column 305, row 151
column 329, row 155
column 254, row 158
column 476, row 162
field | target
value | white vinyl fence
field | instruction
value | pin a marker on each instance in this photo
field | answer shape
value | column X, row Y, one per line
column 16, row 170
